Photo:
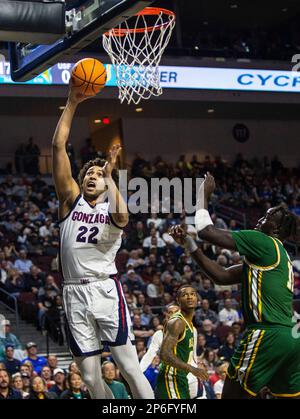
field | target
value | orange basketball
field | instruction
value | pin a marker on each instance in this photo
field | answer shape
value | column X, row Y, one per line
column 88, row 76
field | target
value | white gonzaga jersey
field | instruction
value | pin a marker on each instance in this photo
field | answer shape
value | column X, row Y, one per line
column 89, row 242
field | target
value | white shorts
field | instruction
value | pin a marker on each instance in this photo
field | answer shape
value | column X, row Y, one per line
column 97, row 315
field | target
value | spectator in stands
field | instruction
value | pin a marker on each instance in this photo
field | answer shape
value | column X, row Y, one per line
column 205, row 313
column 26, row 380
column 52, row 362
column 74, row 391
column 46, row 375
column 54, row 320
column 6, row 391
column 218, row 387
column 135, row 260
column 157, row 223
column 59, row 378
column 14, row 283
column 35, row 279
column 233, row 225
column 152, row 371
column 134, row 282
column 109, row 375
column 155, row 290
column 38, row 390
column 201, row 344
column 218, row 222
column 73, row 367
column 51, row 285
column 226, row 351
column 205, row 389
column 208, row 293
column 12, row 365
column 153, row 240
column 141, row 301
column 18, row 384
column 23, row 264
column 29, row 368
column 227, row 293
column 137, row 236
column 26, row 369
column 139, row 331
column 228, row 315
column 146, row 315
column 8, row 338
column 212, row 341
column 38, row 362
column 210, row 360
column 170, row 270
column 46, row 229
column 140, row 348
column 155, row 323
column 44, row 303
column 237, row 331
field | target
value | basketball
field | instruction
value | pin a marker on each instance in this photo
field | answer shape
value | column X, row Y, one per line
column 88, row 76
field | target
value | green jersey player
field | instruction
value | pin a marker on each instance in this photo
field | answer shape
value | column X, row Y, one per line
column 177, row 349
column 269, row 354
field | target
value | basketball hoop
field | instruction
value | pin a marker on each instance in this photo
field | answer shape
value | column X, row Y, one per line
column 135, row 48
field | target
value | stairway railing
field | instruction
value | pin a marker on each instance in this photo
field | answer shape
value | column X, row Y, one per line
column 15, row 311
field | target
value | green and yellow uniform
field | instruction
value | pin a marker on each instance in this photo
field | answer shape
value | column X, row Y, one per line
column 172, row 383
column 269, row 354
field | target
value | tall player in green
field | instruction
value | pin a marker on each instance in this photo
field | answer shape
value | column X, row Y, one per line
column 269, row 354
column 177, row 349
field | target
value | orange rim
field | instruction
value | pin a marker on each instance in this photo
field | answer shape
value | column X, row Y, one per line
column 148, row 11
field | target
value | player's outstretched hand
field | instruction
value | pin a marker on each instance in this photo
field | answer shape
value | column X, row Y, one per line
column 209, row 185
column 111, row 160
column 178, row 234
column 200, row 372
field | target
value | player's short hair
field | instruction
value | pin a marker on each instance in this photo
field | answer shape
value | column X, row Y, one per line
column 96, row 162
column 289, row 224
column 182, row 287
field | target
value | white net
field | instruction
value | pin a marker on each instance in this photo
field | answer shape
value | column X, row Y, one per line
column 135, row 52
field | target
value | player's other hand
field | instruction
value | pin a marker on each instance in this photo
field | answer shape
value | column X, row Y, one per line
column 200, row 372
column 178, row 234
column 209, row 185
column 111, row 160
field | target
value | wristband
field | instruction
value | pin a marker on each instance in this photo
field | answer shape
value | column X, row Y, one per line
column 202, row 219
column 190, row 244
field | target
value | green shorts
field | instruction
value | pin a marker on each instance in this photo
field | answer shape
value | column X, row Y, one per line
column 268, row 357
column 171, row 385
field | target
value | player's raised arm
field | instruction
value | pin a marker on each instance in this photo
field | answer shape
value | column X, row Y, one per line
column 66, row 187
column 220, row 275
column 175, row 328
column 119, row 212
column 205, row 228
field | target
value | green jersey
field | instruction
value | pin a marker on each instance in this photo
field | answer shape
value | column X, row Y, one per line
column 172, row 383
column 267, row 279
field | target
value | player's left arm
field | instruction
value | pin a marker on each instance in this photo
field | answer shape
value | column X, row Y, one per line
column 119, row 212
column 220, row 275
column 205, row 228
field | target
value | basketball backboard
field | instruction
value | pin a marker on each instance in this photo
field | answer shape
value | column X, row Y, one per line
column 86, row 21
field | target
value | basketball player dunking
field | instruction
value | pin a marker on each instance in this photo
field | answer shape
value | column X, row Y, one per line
column 90, row 235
